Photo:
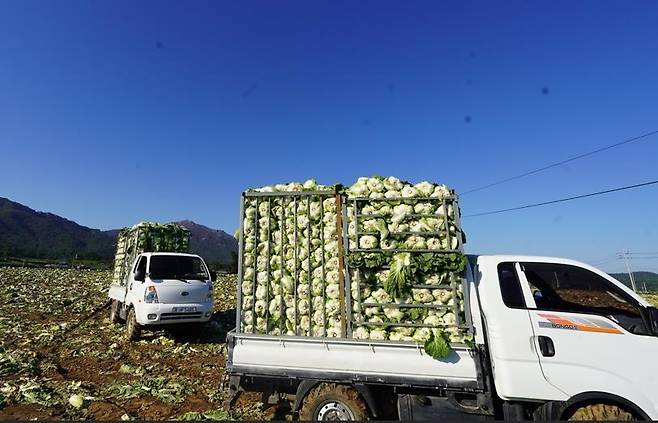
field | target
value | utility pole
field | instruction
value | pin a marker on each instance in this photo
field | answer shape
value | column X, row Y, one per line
column 625, row 255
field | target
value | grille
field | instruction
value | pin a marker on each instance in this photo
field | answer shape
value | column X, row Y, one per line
column 178, row 316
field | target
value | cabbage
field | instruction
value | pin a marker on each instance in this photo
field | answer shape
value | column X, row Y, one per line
column 437, row 346
column 361, row 332
column 76, row 400
column 378, row 334
column 421, row 335
column 400, row 275
column 393, row 314
column 368, row 242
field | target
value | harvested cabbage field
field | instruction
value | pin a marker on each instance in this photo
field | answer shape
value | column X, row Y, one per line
column 59, row 360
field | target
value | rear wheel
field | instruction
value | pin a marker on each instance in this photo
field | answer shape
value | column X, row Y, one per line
column 601, row 412
column 330, row 401
column 114, row 312
column 133, row 330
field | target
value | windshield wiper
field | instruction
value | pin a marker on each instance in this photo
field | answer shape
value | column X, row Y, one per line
column 176, row 277
column 199, row 276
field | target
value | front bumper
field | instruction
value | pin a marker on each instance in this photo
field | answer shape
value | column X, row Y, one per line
column 163, row 314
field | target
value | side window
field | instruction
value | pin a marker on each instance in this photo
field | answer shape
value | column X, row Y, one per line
column 137, row 264
column 560, row 287
column 141, row 265
column 510, row 287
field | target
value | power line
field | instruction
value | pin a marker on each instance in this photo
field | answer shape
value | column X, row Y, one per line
column 564, row 199
column 580, row 156
column 608, row 260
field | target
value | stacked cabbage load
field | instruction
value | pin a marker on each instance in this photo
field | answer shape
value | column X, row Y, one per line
column 147, row 237
column 293, row 275
column 291, row 270
column 405, row 263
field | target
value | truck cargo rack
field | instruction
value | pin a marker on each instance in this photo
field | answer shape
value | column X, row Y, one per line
column 343, row 219
column 130, row 249
column 357, row 203
column 297, row 197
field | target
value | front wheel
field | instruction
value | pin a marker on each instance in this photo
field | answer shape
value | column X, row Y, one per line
column 601, row 412
column 133, row 330
column 331, row 401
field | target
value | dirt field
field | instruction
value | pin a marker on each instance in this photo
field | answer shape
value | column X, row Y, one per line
column 59, row 360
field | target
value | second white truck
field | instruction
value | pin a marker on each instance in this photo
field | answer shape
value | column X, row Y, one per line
column 157, row 282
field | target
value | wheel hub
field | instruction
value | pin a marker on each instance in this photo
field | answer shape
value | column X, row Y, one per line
column 333, row 411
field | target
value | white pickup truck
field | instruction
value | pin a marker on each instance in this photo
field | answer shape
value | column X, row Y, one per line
column 554, row 339
column 160, row 289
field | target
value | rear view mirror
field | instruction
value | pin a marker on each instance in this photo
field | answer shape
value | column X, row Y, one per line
column 213, row 275
column 140, row 275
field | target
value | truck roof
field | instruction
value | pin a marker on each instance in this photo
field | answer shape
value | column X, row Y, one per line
column 521, row 257
column 168, row 254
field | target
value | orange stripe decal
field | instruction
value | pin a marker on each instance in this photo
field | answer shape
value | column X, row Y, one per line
column 560, row 322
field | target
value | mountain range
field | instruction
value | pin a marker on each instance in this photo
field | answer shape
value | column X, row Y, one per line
column 25, row 232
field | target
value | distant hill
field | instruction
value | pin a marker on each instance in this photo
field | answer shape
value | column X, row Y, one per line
column 641, row 278
column 25, row 232
column 214, row 245
column 28, row 233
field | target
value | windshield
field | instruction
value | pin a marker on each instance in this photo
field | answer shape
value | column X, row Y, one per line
column 177, row 267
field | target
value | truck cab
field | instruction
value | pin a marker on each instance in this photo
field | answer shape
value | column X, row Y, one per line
column 568, row 334
column 162, row 289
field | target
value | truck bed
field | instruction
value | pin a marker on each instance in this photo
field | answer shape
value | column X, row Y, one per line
column 339, row 359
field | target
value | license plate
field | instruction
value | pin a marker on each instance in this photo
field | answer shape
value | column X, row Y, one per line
column 183, row 309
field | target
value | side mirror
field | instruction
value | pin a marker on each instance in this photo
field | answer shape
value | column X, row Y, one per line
column 213, row 275
column 140, row 275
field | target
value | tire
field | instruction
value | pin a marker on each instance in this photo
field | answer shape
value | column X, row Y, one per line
column 601, row 412
column 133, row 330
column 331, row 401
column 114, row 312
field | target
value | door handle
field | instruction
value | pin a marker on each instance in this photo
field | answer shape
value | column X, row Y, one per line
column 546, row 346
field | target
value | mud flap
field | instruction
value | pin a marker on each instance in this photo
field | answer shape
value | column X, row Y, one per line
column 234, row 391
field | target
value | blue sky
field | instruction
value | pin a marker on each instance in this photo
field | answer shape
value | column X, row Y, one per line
column 112, row 112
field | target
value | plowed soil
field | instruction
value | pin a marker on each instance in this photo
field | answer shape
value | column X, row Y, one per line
column 56, row 343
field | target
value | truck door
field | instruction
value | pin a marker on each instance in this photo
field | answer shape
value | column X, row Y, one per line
column 140, row 264
column 516, row 368
column 591, row 334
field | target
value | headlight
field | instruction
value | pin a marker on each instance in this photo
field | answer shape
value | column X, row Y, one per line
column 209, row 294
column 151, row 295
